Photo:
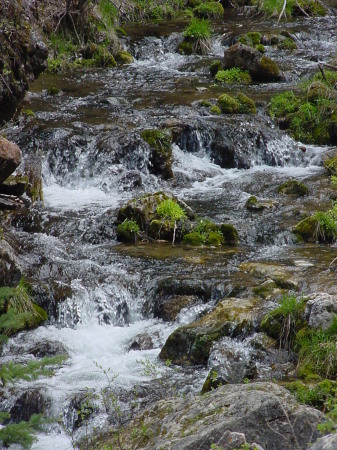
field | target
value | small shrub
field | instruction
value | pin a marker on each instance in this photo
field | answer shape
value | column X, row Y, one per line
column 233, row 76
column 198, row 29
column 22, row 433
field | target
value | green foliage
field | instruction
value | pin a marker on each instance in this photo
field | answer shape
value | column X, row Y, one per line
column 241, row 104
column 109, row 13
column 285, row 321
column 293, row 8
column 170, row 210
column 317, row 351
column 21, row 433
column 204, row 233
column 233, row 76
column 287, row 44
column 283, row 104
column 330, row 78
column 260, row 48
column 9, row 373
column 160, row 140
column 128, row 230
column 198, row 29
column 319, row 395
column 123, row 57
column 215, row 110
column 209, row 9
column 326, row 225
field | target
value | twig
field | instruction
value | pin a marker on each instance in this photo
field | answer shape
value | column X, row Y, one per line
column 282, row 11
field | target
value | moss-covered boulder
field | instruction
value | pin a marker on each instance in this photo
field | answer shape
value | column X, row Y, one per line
column 260, row 67
column 293, row 187
column 253, row 204
column 123, row 57
column 160, row 142
column 321, row 227
column 240, row 104
column 230, row 234
column 143, row 212
column 283, row 277
column 228, row 104
column 191, row 344
column 214, row 67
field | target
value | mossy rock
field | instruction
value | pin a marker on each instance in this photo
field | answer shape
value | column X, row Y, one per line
column 230, row 234
column 207, row 10
column 228, row 104
column 161, row 229
column 252, row 204
column 252, row 39
column 260, row 48
column 215, row 67
column 283, row 277
column 14, row 185
column 215, row 110
column 318, row 91
column 268, row 290
column 246, row 104
column 186, row 47
column 310, row 230
column 215, row 239
column 331, row 165
column 13, row 321
column 194, row 238
column 191, row 344
column 160, row 142
column 269, row 70
column 293, row 187
column 287, row 44
column 123, row 57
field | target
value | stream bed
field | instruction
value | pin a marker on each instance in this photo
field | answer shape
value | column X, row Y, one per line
column 93, row 162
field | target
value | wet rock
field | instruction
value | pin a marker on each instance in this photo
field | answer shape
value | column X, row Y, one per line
column 321, row 310
column 283, row 277
column 169, row 308
column 160, row 161
column 142, row 341
column 293, row 187
column 264, row 413
column 47, row 348
column 328, row 442
column 191, row 344
column 14, row 185
column 260, row 67
column 10, row 273
column 30, row 402
column 9, row 202
column 10, row 158
column 252, row 204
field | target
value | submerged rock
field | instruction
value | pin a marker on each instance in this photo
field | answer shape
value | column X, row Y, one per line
column 261, row 413
column 293, row 187
column 260, row 67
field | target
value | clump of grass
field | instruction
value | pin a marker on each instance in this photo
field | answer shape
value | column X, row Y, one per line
column 284, row 322
column 204, row 233
column 128, row 230
column 197, row 34
column 317, row 351
column 170, row 210
column 209, row 10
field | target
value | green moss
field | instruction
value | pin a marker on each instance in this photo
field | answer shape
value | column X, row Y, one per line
column 283, row 104
column 260, row 48
column 161, row 158
column 331, row 165
column 246, row 104
column 322, row 227
column 215, row 110
column 209, row 10
column 198, row 29
column 252, row 39
column 287, row 44
column 233, row 76
column 123, row 57
column 214, row 238
column 205, row 103
column 229, row 233
column 53, row 90
column 318, row 395
column 228, row 104
column 215, row 67
column 270, row 67
column 293, row 187
column 185, row 48
column 194, row 238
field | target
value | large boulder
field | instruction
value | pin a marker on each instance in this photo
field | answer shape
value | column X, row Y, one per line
column 260, row 67
column 264, row 413
column 191, row 344
column 10, row 158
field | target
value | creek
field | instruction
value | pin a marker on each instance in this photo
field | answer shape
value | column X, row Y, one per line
column 93, row 162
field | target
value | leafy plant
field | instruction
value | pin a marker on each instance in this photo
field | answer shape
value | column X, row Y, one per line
column 171, row 211
column 22, row 433
column 128, row 230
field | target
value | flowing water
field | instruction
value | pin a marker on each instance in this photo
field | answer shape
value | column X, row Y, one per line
column 94, row 161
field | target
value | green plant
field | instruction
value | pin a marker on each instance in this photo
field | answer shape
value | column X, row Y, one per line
column 209, row 9
column 326, row 225
column 109, row 13
column 22, row 433
column 283, row 104
column 252, row 38
column 285, row 321
column 198, row 29
column 170, row 210
column 317, row 351
column 233, row 76
column 128, row 230
column 10, row 372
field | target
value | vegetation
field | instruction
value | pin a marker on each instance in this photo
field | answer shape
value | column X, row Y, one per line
column 197, row 36
column 293, row 187
column 205, row 233
column 233, row 76
column 22, row 433
column 284, row 322
column 310, row 116
column 9, row 373
column 240, row 104
column 290, row 8
column 169, row 210
column 208, row 10
column 128, row 231
column 160, row 142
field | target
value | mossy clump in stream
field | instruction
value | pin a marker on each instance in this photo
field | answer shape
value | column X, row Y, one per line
column 206, row 232
column 240, row 104
column 321, row 227
column 214, row 67
column 233, row 76
column 293, row 187
column 208, row 10
column 310, row 116
column 196, row 37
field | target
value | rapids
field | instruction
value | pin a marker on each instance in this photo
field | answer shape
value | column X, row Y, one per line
column 94, row 161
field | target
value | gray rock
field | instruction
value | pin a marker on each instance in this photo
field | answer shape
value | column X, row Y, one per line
column 328, row 442
column 320, row 310
column 264, row 413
